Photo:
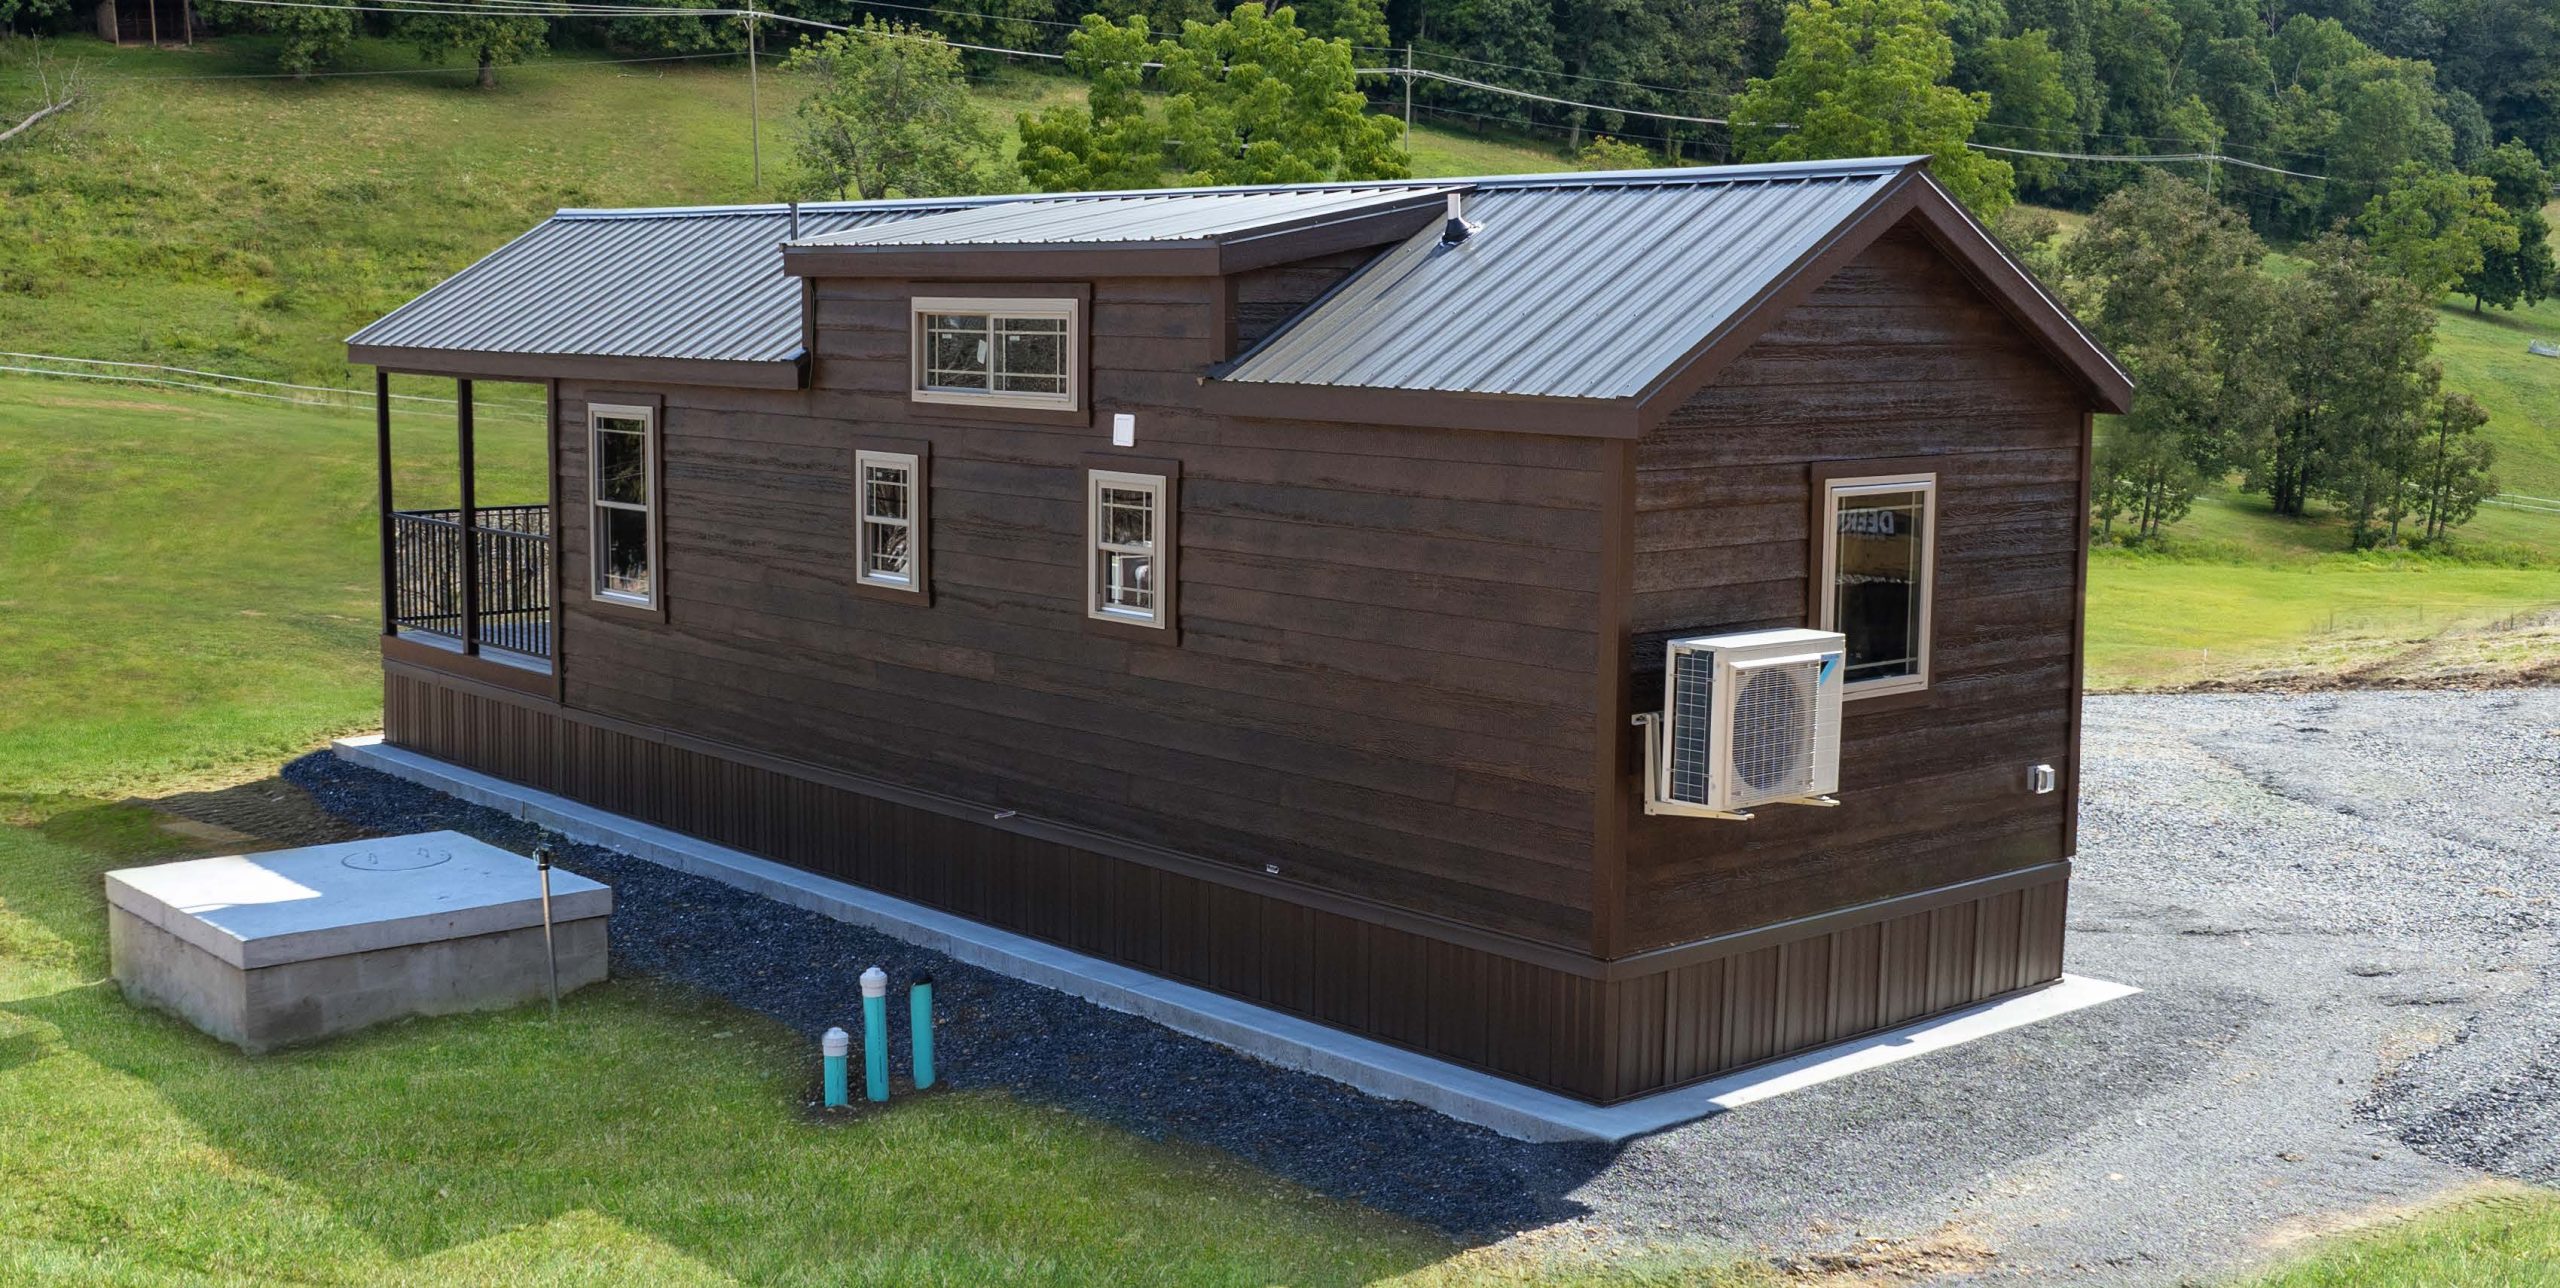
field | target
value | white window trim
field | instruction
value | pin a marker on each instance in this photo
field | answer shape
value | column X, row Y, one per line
column 1160, row 549
column 1834, row 491
column 913, row 465
column 1064, row 308
column 647, row 416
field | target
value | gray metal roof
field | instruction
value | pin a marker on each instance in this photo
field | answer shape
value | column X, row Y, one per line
column 704, row 283
column 1566, row 290
column 1175, row 216
column 1576, row 285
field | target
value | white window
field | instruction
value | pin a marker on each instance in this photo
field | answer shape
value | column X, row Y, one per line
column 997, row 353
column 1879, row 540
column 889, row 538
column 622, row 465
column 1130, row 575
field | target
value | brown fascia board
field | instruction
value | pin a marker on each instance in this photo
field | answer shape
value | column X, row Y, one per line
column 1423, row 408
column 1917, row 197
column 788, row 373
column 1194, row 257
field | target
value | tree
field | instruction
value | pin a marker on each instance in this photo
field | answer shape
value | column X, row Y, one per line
column 2524, row 275
column 1361, row 23
column 2354, row 362
column 889, row 114
column 1605, row 153
column 1109, row 141
column 2031, row 104
column 1254, row 99
column 2453, row 470
column 492, row 36
column 2436, row 227
column 312, row 39
column 1868, row 78
column 2169, row 278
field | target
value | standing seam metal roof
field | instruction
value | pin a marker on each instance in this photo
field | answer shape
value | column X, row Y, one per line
column 1578, row 285
column 704, row 284
column 1565, row 292
column 1159, row 217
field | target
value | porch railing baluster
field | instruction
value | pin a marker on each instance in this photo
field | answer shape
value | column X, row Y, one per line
column 510, row 548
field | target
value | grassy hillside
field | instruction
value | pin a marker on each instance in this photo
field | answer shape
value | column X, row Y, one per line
column 248, row 225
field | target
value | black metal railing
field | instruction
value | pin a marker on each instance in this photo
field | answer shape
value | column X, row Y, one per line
column 511, row 549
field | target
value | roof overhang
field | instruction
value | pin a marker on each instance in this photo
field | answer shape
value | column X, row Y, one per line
column 468, row 364
column 1210, row 256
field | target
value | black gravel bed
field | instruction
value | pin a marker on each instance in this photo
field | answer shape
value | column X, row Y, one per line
column 996, row 1032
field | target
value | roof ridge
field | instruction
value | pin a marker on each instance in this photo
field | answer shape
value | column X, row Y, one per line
column 1703, row 174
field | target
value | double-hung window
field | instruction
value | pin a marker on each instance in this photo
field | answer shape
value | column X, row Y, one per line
column 889, row 533
column 1879, row 536
column 1130, row 569
column 1023, row 353
column 622, row 459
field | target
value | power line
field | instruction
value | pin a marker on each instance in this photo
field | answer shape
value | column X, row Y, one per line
column 2156, row 157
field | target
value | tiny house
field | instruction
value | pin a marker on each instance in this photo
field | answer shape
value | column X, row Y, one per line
column 1602, row 629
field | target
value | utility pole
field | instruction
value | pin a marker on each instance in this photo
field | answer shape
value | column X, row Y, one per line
column 755, row 117
column 1408, row 100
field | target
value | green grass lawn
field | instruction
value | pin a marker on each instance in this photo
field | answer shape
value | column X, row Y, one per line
column 190, row 598
column 2506, row 1238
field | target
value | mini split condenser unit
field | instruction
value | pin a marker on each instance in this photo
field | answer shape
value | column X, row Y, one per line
column 1748, row 719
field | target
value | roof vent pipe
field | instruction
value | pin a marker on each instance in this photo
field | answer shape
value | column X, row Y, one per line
column 1457, row 229
column 795, row 221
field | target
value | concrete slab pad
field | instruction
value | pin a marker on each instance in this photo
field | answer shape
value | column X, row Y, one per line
column 1465, row 1094
column 257, row 910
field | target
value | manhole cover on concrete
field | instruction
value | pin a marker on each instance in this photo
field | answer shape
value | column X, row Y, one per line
column 397, row 858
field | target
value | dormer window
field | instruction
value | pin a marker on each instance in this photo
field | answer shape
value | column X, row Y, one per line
column 998, row 352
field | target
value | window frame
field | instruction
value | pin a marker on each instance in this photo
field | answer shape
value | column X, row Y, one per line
column 1160, row 479
column 1067, row 308
column 651, row 413
column 1869, row 478
column 915, row 458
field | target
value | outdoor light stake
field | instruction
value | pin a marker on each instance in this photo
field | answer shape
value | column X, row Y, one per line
column 550, row 952
column 875, row 1033
column 920, row 1027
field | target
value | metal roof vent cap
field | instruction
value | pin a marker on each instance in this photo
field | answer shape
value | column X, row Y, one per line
column 1457, row 229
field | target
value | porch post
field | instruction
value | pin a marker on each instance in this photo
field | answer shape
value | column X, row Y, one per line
column 470, row 522
column 382, row 495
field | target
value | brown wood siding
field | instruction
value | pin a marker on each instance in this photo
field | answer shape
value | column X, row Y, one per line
column 1387, row 647
column 1260, row 300
column 1577, row 1031
column 1896, row 357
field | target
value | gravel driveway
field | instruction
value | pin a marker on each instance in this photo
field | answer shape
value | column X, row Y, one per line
column 2342, row 908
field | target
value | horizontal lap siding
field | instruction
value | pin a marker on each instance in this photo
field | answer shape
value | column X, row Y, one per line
column 1896, row 357
column 1385, row 665
column 1514, row 1018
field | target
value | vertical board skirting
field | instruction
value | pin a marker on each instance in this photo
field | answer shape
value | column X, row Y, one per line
column 1599, row 1039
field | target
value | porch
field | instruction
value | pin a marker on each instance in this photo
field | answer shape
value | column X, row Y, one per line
column 466, row 587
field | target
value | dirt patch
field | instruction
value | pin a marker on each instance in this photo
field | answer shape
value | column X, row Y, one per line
column 267, row 814
column 1951, row 1249
column 2518, row 651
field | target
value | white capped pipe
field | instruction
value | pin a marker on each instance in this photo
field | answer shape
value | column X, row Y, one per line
column 835, row 1044
column 875, row 982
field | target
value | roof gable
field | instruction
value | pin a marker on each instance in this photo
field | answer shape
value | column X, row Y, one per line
column 1625, row 326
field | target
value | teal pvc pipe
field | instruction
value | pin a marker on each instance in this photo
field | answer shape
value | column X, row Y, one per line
column 832, row 1049
column 875, row 1033
column 920, row 1027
